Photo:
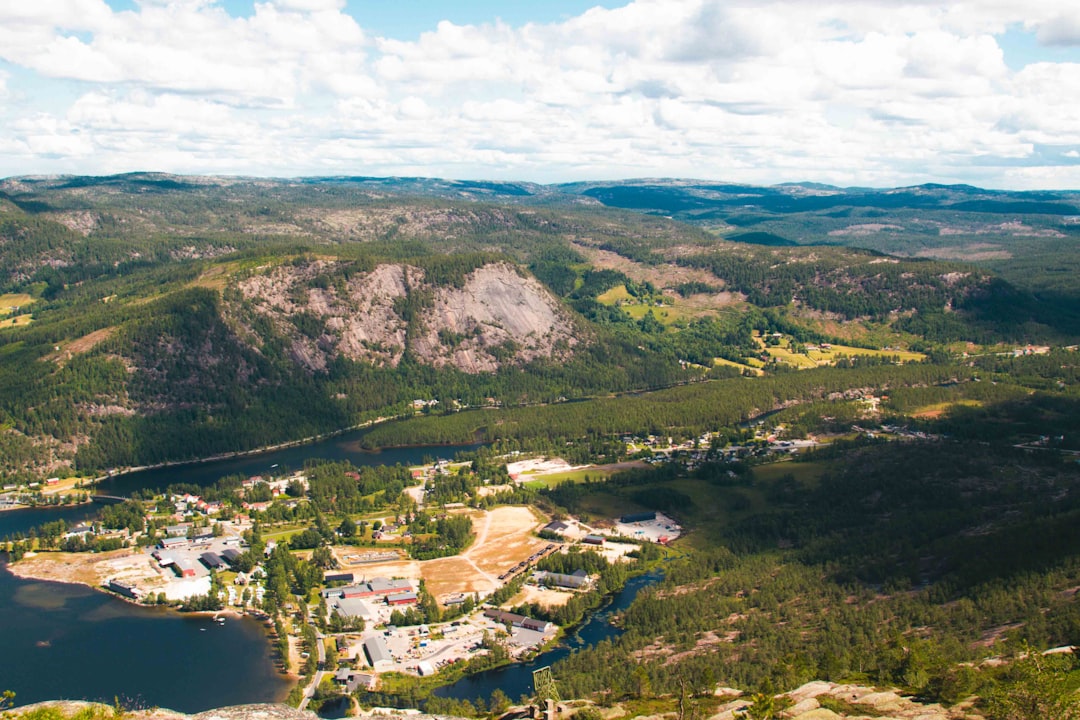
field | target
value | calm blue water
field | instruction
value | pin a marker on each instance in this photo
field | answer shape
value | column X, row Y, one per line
column 343, row 447
column 61, row 641
column 516, row 680
column 21, row 521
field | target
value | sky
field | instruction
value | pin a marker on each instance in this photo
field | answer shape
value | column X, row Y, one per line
column 848, row 92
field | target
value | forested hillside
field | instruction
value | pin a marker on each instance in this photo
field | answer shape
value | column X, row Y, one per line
column 152, row 317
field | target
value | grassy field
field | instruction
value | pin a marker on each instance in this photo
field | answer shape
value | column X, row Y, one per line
column 672, row 311
column 825, row 357
column 938, row 409
column 712, row 507
column 729, row 363
column 10, row 301
column 615, row 295
column 575, row 476
column 821, row 357
column 785, row 355
column 17, row 321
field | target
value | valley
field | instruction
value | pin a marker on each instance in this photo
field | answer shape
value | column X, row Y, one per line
column 862, row 464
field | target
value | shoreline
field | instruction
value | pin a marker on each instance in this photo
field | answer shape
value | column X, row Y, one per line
column 242, row 453
column 48, row 506
column 19, row 571
column 255, row 616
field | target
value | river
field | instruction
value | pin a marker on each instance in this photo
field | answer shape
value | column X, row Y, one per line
column 22, row 521
column 342, row 447
column 516, row 680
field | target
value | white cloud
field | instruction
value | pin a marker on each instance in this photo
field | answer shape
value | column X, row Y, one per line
column 861, row 91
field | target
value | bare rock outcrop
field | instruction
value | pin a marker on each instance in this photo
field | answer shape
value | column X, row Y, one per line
column 812, row 702
column 496, row 316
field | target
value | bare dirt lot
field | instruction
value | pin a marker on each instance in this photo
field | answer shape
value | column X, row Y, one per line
column 504, row 537
column 541, row 596
column 86, row 568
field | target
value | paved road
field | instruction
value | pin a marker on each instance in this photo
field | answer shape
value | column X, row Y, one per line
column 309, row 691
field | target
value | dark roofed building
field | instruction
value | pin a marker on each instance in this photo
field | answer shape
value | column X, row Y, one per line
column 212, row 560
column 638, row 517
column 125, row 589
column 353, row 681
column 558, row 527
column 372, row 588
column 231, row 555
column 346, row 578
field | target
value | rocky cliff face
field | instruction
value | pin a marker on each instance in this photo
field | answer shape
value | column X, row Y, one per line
column 323, row 309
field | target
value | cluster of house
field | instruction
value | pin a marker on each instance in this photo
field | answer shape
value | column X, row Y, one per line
column 278, row 486
column 85, row 530
column 188, row 503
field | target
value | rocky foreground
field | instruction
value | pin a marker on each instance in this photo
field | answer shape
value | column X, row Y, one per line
column 827, row 701
column 96, row 711
column 813, row 701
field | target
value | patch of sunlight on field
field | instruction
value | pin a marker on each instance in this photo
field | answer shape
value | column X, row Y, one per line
column 938, row 409
column 614, row 295
column 10, row 301
column 741, row 366
column 828, row 356
column 784, row 355
column 18, row 321
column 574, row 476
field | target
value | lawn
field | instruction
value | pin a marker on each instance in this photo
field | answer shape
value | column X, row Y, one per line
column 938, row 409
column 667, row 314
column 729, row 363
column 829, row 356
column 821, row 357
column 17, row 321
column 574, row 476
column 786, row 356
column 10, row 301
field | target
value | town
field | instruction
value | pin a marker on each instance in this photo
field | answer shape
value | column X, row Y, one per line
column 395, row 589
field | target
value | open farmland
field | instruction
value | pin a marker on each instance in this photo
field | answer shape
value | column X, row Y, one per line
column 10, row 302
column 814, row 356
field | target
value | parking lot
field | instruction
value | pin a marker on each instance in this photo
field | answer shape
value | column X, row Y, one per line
column 661, row 529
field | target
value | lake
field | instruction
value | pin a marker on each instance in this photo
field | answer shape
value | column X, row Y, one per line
column 516, row 680
column 60, row 641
